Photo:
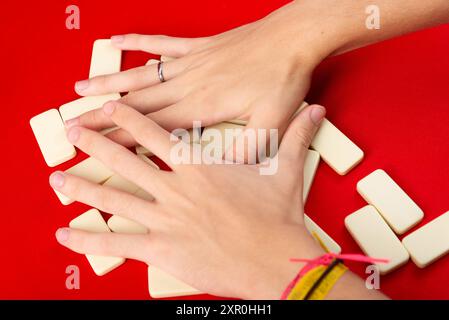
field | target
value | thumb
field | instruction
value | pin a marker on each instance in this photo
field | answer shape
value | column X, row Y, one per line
column 250, row 151
column 300, row 133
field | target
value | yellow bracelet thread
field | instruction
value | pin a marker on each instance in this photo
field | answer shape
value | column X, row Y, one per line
column 305, row 283
column 303, row 286
column 320, row 242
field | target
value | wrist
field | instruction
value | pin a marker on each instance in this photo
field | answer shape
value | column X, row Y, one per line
column 269, row 278
column 316, row 29
column 350, row 287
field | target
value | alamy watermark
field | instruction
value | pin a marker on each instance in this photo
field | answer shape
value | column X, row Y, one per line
column 228, row 146
column 372, row 282
column 72, row 282
column 372, row 21
column 73, row 22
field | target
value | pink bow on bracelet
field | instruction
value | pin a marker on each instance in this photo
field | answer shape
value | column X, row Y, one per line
column 325, row 260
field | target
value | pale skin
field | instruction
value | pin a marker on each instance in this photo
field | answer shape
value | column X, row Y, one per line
column 208, row 224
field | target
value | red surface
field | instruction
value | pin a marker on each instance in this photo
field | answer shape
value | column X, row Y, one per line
column 390, row 98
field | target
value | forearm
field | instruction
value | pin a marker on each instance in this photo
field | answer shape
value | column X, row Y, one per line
column 316, row 29
column 351, row 287
column 273, row 276
column 395, row 18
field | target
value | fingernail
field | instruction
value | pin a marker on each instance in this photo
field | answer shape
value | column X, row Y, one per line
column 117, row 39
column 72, row 122
column 109, row 108
column 81, row 85
column 57, row 180
column 317, row 114
column 62, row 234
column 73, row 135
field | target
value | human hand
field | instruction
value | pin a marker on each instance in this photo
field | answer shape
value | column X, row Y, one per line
column 223, row 229
column 259, row 72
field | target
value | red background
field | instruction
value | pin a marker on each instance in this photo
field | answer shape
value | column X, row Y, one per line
column 390, row 98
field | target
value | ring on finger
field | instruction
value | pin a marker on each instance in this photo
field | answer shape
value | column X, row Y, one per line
column 160, row 72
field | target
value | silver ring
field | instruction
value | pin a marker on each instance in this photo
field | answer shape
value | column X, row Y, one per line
column 160, row 72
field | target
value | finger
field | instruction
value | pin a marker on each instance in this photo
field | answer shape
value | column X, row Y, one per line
column 159, row 96
column 145, row 101
column 179, row 115
column 117, row 158
column 131, row 246
column 145, row 131
column 300, row 133
column 122, row 137
column 129, row 80
column 182, row 115
column 254, row 143
column 157, row 44
column 106, row 199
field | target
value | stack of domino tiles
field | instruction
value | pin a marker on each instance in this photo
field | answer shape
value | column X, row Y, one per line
column 329, row 143
column 50, row 132
column 391, row 212
column 49, row 126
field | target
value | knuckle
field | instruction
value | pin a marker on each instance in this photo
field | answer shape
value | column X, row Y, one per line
column 118, row 160
column 120, row 116
column 80, row 243
column 121, row 111
column 99, row 244
column 107, row 243
column 142, row 74
column 141, row 129
column 94, row 116
column 203, row 94
column 303, row 137
column 86, row 140
column 86, row 119
column 100, row 82
column 198, row 43
column 161, row 37
column 139, row 40
column 107, row 201
column 185, row 46
column 107, row 82
column 72, row 187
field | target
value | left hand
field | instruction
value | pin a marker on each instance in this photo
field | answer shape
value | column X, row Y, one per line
column 259, row 72
column 223, row 229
